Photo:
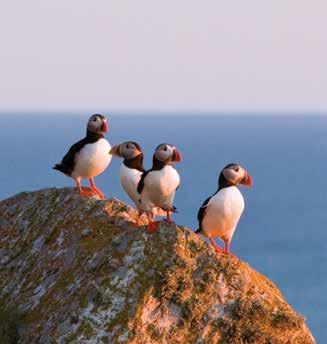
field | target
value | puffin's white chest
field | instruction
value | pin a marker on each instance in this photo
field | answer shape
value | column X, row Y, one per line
column 159, row 188
column 223, row 213
column 129, row 178
column 92, row 160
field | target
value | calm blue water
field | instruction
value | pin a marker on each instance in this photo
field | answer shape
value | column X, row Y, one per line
column 283, row 231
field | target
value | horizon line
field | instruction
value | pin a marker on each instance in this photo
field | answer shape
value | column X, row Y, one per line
column 168, row 112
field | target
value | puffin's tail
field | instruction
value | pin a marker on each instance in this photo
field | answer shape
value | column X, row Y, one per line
column 198, row 231
column 59, row 167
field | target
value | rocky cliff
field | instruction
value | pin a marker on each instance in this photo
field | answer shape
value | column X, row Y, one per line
column 73, row 270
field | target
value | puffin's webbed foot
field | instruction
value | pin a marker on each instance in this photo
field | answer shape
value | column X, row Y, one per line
column 99, row 193
column 85, row 192
column 153, row 227
column 226, row 250
column 96, row 190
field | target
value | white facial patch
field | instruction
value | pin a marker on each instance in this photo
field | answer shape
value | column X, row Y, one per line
column 231, row 175
column 129, row 150
column 94, row 124
column 164, row 152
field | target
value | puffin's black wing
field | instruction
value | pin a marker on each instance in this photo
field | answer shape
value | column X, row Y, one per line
column 68, row 161
column 201, row 213
column 140, row 185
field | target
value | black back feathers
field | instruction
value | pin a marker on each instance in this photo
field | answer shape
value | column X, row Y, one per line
column 201, row 213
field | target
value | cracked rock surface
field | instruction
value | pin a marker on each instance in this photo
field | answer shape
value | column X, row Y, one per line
column 73, row 270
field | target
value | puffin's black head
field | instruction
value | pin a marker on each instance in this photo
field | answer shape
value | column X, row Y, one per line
column 234, row 174
column 97, row 124
column 167, row 154
column 127, row 150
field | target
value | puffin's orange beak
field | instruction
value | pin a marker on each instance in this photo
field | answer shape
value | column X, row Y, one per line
column 115, row 151
column 104, row 127
column 138, row 152
column 247, row 180
column 177, row 155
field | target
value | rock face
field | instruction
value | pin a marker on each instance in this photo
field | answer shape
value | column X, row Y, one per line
column 73, row 270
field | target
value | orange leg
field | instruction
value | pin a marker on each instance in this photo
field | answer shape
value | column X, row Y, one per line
column 217, row 247
column 226, row 250
column 168, row 218
column 96, row 190
column 226, row 247
column 83, row 192
column 153, row 225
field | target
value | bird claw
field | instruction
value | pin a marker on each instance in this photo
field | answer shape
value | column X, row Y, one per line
column 86, row 193
column 222, row 250
column 153, row 227
column 98, row 193
column 219, row 250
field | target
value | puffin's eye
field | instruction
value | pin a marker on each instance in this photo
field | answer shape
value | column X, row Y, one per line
column 165, row 149
column 94, row 119
column 127, row 146
column 236, row 169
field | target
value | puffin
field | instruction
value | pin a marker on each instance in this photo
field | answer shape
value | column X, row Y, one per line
column 219, row 214
column 88, row 157
column 131, row 171
column 158, row 185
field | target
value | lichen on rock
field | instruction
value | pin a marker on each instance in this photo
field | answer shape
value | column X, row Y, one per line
column 77, row 272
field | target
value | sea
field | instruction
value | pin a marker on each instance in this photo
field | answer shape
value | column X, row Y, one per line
column 283, row 230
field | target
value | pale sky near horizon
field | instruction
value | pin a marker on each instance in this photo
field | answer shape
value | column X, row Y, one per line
column 180, row 55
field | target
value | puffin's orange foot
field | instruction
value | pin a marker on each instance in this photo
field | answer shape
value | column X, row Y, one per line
column 153, row 227
column 226, row 250
column 86, row 192
column 220, row 250
column 98, row 192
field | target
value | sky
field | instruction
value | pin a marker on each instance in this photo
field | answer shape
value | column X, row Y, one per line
column 172, row 55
